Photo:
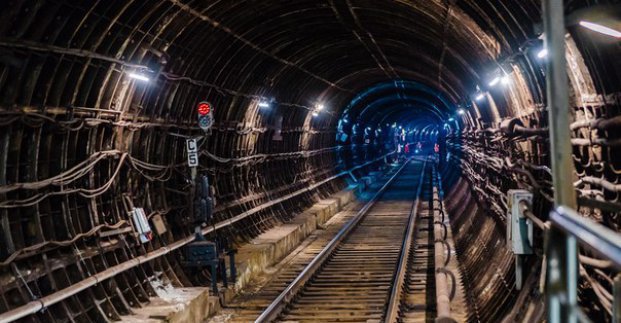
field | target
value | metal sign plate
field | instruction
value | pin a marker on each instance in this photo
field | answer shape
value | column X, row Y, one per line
column 192, row 149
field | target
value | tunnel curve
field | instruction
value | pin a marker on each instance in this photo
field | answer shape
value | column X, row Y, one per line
column 82, row 142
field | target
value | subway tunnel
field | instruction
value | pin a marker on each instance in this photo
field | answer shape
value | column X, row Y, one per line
column 290, row 103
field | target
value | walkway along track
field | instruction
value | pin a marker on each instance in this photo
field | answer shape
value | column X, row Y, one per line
column 431, row 289
column 352, row 278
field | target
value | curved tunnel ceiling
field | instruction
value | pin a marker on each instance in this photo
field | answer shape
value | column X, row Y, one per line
column 394, row 100
column 292, row 51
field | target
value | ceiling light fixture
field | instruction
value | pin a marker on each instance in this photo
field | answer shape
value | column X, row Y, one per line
column 505, row 80
column 542, row 53
column 600, row 29
column 138, row 76
column 494, row 81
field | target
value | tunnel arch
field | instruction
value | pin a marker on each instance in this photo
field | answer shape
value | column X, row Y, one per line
column 67, row 100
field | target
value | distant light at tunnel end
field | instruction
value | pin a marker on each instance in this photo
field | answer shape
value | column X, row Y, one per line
column 601, row 29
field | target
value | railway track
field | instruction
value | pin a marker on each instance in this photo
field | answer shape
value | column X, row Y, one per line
column 353, row 278
column 379, row 264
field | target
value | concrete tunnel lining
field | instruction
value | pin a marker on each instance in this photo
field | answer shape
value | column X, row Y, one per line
column 66, row 101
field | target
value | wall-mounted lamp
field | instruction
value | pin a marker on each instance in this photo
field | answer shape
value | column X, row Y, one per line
column 601, row 18
column 138, row 76
column 601, row 29
column 264, row 104
column 505, row 80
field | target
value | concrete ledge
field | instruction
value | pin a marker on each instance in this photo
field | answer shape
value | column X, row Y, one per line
column 276, row 243
column 177, row 305
column 194, row 304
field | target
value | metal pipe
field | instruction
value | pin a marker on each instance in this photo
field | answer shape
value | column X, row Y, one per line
column 592, row 235
column 309, row 188
column 558, row 102
column 561, row 249
column 525, row 209
column 49, row 300
column 443, row 299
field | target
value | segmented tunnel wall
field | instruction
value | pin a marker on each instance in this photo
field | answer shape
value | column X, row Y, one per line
column 67, row 101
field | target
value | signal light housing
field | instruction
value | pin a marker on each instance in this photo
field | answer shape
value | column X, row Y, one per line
column 205, row 115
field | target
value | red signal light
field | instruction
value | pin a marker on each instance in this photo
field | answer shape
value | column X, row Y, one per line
column 204, row 108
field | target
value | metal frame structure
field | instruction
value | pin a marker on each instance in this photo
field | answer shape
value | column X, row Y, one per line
column 592, row 236
column 561, row 238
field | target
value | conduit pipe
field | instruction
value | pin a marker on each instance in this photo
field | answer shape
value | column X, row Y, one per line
column 441, row 256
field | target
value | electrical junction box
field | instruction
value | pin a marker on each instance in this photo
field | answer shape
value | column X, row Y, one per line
column 141, row 224
column 201, row 254
column 158, row 224
column 519, row 232
column 519, row 227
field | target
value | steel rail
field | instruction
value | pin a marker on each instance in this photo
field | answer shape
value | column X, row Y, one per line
column 394, row 301
column 49, row 300
column 275, row 308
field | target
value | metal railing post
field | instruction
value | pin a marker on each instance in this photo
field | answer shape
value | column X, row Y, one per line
column 616, row 305
column 561, row 250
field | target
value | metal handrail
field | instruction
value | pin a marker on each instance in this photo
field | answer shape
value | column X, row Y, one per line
column 592, row 235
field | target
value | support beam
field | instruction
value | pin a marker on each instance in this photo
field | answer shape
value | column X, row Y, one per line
column 561, row 250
